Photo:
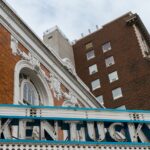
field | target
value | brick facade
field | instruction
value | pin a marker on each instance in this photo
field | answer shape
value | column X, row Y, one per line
column 7, row 65
column 8, row 62
column 133, row 69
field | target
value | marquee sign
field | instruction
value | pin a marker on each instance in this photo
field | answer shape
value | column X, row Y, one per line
column 73, row 124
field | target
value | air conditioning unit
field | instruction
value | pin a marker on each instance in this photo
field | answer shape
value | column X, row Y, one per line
column 110, row 64
column 147, row 55
column 114, row 79
column 93, row 72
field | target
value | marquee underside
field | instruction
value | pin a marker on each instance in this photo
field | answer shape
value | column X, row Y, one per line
column 5, row 145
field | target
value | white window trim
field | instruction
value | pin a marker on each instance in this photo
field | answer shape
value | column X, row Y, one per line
column 101, row 102
column 96, row 70
column 110, row 64
column 122, row 107
column 115, row 79
column 117, row 97
column 90, row 57
column 97, row 87
column 22, row 91
column 48, row 98
column 88, row 45
column 106, row 50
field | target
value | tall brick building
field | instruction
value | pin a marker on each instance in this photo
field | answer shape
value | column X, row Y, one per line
column 114, row 62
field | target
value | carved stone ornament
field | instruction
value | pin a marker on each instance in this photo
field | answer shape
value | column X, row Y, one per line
column 70, row 100
column 55, row 86
column 14, row 45
column 68, row 64
column 16, row 50
column 29, row 57
column 35, row 63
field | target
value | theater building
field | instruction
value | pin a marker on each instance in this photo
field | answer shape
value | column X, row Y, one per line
column 114, row 63
column 44, row 105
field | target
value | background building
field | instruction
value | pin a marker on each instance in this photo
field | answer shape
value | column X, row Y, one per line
column 56, row 40
column 114, row 62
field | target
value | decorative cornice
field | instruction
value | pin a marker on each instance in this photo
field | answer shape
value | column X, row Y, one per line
column 136, row 20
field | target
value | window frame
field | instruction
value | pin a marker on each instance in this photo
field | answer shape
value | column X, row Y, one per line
column 23, row 83
column 88, row 45
column 119, row 96
column 90, row 57
column 101, row 101
column 97, row 87
column 122, row 107
column 105, row 45
column 95, row 69
column 111, row 80
column 110, row 64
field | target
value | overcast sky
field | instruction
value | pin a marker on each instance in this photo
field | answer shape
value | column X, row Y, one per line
column 76, row 16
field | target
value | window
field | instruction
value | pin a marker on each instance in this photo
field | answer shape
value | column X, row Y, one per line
column 92, row 69
column 89, row 45
column 28, row 79
column 95, row 84
column 109, row 61
column 123, row 107
column 113, row 76
column 90, row 55
column 100, row 99
column 117, row 93
column 29, row 93
column 106, row 47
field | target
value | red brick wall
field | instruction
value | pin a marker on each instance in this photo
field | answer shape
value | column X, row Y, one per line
column 7, row 65
column 133, row 70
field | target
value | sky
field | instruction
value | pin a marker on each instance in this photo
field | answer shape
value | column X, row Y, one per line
column 74, row 17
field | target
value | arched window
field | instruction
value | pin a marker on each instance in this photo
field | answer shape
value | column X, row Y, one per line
column 30, row 87
column 30, row 95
